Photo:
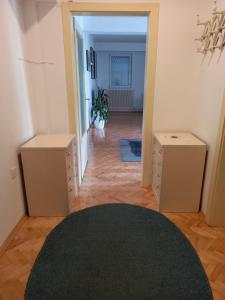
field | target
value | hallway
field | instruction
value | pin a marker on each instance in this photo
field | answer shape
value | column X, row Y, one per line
column 107, row 179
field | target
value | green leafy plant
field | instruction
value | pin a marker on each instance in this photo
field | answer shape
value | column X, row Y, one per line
column 101, row 106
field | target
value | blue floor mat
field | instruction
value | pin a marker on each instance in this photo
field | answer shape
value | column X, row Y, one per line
column 130, row 150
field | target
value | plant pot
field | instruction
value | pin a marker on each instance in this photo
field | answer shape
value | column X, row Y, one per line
column 99, row 124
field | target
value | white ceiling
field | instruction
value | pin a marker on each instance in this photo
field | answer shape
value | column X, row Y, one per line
column 133, row 25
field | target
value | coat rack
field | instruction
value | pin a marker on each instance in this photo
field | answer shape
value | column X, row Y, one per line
column 213, row 34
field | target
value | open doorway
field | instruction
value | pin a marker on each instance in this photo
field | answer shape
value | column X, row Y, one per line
column 151, row 11
column 110, row 55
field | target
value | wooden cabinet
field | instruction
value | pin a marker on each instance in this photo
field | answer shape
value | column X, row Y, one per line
column 178, row 169
column 49, row 165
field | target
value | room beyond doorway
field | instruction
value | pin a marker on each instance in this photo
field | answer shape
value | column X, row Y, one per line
column 107, row 178
column 114, row 60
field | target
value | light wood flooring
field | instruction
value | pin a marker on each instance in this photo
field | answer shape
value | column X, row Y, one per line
column 107, row 180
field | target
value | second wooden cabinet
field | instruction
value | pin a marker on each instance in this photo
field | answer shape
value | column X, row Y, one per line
column 178, row 169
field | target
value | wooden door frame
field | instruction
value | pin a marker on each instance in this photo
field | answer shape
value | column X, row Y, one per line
column 215, row 204
column 77, row 31
column 151, row 10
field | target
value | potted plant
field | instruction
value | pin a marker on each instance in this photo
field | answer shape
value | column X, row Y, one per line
column 100, row 109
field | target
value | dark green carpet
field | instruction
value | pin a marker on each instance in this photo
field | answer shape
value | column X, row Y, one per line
column 117, row 252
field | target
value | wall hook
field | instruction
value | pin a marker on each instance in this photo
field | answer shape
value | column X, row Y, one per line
column 213, row 33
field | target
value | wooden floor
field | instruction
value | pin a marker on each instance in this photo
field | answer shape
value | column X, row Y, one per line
column 107, row 180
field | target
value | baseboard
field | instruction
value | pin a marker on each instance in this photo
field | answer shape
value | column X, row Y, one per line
column 10, row 237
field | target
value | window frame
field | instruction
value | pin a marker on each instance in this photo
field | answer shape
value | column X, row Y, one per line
column 119, row 54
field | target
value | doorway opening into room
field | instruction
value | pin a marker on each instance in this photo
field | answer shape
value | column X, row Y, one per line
column 98, row 186
column 111, row 58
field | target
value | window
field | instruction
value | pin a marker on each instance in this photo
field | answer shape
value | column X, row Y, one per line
column 120, row 76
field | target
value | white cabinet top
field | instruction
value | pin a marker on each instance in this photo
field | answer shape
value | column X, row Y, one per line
column 49, row 141
column 178, row 139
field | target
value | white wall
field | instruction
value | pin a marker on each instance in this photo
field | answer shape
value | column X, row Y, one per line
column 45, row 51
column 138, row 69
column 15, row 114
column 173, row 108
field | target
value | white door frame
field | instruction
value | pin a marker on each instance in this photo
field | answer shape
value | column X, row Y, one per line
column 151, row 10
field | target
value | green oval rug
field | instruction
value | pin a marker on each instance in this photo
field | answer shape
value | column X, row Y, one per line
column 117, row 252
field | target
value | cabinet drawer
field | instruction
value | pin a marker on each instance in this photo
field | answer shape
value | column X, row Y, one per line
column 69, row 161
column 69, row 169
column 71, row 187
column 71, row 197
column 69, row 178
column 157, row 162
column 157, row 191
column 69, row 152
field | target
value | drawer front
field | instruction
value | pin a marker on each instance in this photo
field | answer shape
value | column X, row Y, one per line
column 71, row 196
column 70, row 177
column 159, row 153
column 71, row 161
column 69, row 157
column 157, row 162
column 157, row 192
column 72, row 182
column 69, row 171
column 71, row 168
column 74, row 148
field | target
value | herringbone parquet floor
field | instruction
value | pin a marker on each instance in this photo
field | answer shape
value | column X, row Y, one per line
column 107, row 180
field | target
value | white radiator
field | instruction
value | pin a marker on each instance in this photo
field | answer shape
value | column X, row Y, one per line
column 120, row 100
